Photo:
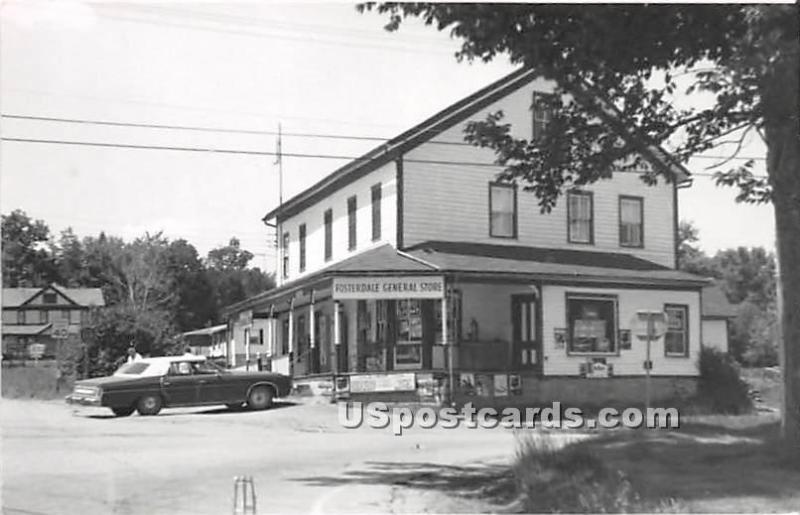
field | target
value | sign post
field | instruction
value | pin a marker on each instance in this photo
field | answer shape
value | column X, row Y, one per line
column 649, row 325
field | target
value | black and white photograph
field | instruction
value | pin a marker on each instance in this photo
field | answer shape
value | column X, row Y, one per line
column 326, row 257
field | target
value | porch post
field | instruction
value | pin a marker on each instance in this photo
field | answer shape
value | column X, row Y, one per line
column 291, row 337
column 449, row 348
column 312, row 336
column 337, row 337
column 271, row 332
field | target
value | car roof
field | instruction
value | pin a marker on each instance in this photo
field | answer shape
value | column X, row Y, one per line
column 172, row 359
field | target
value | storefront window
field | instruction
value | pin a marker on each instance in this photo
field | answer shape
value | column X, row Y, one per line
column 592, row 323
column 408, row 352
column 285, row 337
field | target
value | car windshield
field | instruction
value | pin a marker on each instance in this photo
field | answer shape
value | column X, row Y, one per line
column 209, row 367
column 135, row 368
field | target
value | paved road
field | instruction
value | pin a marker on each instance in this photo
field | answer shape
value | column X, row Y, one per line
column 59, row 461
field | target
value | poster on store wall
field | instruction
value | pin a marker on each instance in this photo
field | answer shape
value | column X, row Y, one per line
column 500, row 385
column 382, row 383
column 467, row 383
column 515, row 384
column 483, row 385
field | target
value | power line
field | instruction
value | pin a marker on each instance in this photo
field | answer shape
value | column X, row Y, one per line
column 267, row 153
column 267, row 132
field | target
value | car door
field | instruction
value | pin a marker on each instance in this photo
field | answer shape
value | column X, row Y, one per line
column 179, row 386
column 215, row 385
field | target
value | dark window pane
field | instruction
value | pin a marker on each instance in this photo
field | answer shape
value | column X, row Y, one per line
column 351, row 223
column 328, row 234
column 376, row 212
column 302, row 236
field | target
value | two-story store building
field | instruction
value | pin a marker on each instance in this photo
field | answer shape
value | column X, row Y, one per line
column 412, row 269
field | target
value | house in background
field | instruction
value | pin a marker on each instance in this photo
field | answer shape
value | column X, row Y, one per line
column 412, row 269
column 717, row 315
column 30, row 315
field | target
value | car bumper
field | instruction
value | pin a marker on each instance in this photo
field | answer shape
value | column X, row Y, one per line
column 83, row 401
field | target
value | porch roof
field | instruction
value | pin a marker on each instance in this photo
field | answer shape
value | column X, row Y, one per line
column 384, row 259
column 24, row 330
column 550, row 264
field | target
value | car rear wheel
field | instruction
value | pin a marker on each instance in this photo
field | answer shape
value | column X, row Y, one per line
column 149, row 405
column 123, row 412
column 260, row 398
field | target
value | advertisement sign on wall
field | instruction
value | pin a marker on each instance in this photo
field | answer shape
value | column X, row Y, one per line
column 382, row 383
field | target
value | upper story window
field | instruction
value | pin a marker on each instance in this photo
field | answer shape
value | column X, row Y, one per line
column 49, row 298
column 676, row 339
column 502, row 210
column 376, row 212
column 580, row 217
column 285, row 248
column 351, row 223
column 328, row 222
column 44, row 316
column 301, row 234
column 631, row 221
column 20, row 317
column 542, row 113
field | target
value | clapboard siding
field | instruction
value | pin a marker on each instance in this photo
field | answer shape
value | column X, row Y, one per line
column 715, row 334
column 446, row 199
column 628, row 362
column 313, row 217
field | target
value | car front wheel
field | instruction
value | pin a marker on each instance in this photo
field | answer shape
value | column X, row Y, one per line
column 260, row 398
column 149, row 405
column 123, row 412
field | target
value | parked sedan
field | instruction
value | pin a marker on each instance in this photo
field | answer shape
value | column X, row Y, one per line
column 149, row 384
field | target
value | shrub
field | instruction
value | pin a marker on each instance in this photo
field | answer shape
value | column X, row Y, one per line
column 720, row 387
column 569, row 479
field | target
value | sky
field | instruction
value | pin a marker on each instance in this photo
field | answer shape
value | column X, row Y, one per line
column 321, row 69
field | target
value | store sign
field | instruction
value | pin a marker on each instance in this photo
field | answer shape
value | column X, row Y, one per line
column 420, row 287
column 382, row 383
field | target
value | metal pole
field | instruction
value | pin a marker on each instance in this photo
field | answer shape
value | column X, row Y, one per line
column 648, row 364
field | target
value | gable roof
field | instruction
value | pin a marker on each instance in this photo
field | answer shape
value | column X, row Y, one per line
column 431, row 127
column 18, row 297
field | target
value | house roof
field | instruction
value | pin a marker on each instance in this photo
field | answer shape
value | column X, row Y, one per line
column 17, row 297
column 434, row 125
column 24, row 330
column 716, row 304
column 550, row 264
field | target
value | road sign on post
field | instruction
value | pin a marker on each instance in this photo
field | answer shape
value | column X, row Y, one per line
column 60, row 329
column 649, row 325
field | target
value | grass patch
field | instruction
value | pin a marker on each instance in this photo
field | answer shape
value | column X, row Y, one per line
column 35, row 382
column 716, row 463
column 573, row 479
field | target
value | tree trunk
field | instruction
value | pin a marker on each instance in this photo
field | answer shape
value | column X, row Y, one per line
column 780, row 101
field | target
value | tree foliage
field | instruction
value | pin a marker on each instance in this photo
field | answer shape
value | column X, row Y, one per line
column 153, row 287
